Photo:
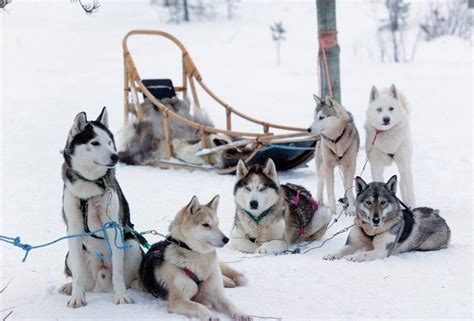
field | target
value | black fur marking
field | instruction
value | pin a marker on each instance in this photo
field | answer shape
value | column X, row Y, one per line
column 152, row 260
column 409, row 221
column 256, row 170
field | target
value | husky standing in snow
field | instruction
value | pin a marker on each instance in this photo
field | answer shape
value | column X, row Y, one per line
column 269, row 217
column 184, row 268
column 388, row 138
column 384, row 228
column 338, row 146
column 91, row 198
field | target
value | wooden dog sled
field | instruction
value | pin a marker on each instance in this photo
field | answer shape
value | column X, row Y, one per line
column 289, row 150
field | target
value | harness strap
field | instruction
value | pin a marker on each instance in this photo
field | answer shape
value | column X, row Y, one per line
column 295, row 201
column 171, row 239
column 335, row 141
column 192, row 276
column 260, row 217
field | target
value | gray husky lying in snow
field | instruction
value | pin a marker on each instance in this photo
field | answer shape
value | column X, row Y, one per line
column 269, row 217
column 383, row 227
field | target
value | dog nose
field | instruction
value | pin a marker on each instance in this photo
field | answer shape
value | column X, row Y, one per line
column 376, row 220
column 386, row 120
column 309, row 130
column 225, row 240
column 114, row 158
column 253, row 205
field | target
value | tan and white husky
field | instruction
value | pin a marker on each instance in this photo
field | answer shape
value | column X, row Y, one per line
column 184, row 268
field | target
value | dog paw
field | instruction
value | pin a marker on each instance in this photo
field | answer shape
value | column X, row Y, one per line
column 66, row 289
column 267, row 248
column 241, row 317
column 122, row 299
column 228, row 282
column 212, row 317
column 77, row 301
column 332, row 257
column 355, row 258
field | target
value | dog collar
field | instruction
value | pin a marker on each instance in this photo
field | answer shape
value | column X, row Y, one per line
column 260, row 217
column 171, row 239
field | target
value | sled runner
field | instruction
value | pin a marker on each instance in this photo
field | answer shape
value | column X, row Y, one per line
column 292, row 148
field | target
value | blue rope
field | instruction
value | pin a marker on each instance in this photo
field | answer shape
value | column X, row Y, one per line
column 109, row 225
column 271, row 146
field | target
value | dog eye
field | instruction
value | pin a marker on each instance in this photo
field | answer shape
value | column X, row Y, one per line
column 247, row 189
column 391, row 108
column 383, row 202
column 95, row 143
column 379, row 109
column 262, row 188
column 368, row 203
column 206, row 225
column 321, row 117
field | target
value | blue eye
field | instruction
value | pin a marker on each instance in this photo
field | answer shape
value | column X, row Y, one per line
column 379, row 109
column 95, row 143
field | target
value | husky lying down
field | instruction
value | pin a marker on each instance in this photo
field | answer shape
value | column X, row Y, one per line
column 184, row 268
column 269, row 216
column 383, row 228
column 142, row 143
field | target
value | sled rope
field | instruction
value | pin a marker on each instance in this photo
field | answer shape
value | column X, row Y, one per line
column 327, row 40
column 16, row 241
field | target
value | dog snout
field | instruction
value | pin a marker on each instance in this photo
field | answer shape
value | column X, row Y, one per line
column 114, row 158
column 386, row 120
column 225, row 240
column 376, row 219
column 253, row 205
column 309, row 130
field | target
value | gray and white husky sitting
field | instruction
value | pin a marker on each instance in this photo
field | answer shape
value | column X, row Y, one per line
column 384, row 228
column 184, row 268
column 269, row 217
column 92, row 197
column 338, row 146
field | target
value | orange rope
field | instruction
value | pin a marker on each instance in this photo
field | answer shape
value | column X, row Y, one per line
column 327, row 40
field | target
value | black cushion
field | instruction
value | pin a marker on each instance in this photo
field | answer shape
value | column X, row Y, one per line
column 160, row 88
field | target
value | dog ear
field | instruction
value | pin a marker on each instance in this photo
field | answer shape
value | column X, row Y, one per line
column 374, row 93
column 214, row 203
column 270, row 170
column 393, row 91
column 360, row 185
column 391, row 184
column 79, row 124
column 242, row 169
column 193, row 205
column 340, row 111
column 104, row 117
column 329, row 101
column 317, row 99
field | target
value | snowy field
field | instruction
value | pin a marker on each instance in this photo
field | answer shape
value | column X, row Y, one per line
column 56, row 61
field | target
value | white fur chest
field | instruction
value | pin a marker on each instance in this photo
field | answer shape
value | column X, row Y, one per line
column 84, row 189
column 267, row 230
column 389, row 141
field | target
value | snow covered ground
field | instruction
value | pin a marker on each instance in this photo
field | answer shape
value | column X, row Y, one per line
column 56, row 61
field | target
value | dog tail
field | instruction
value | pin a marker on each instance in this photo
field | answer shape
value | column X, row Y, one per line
column 231, row 277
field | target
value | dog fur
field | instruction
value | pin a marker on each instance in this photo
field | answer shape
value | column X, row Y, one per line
column 164, row 269
column 257, row 191
column 338, row 146
column 92, row 192
column 388, row 138
column 383, row 228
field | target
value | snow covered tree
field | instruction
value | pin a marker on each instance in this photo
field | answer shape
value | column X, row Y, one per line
column 278, row 35
column 397, row 11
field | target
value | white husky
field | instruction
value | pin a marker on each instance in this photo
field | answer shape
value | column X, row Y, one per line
column 388, row 138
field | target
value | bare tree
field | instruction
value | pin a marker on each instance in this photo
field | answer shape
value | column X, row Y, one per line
column 278, row 35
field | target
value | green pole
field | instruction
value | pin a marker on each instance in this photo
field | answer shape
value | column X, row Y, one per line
column 328, row 48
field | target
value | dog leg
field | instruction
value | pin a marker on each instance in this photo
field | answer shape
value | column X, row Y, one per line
column 132, row 259
column 406, row 184
column 355, row 242
column 237, row 278
column 77, row 262
column 111, row 213
column 381, row 244
column 319, row 223
column 329, row 180
column 179, row 304
column 243, row 245
column 319, row 178
column 349, row 173
column 377, row 169
column 274, row 246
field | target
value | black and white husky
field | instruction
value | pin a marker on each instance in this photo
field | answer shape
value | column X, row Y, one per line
column 91, row 198
column 383, row 227
column 269, row 217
